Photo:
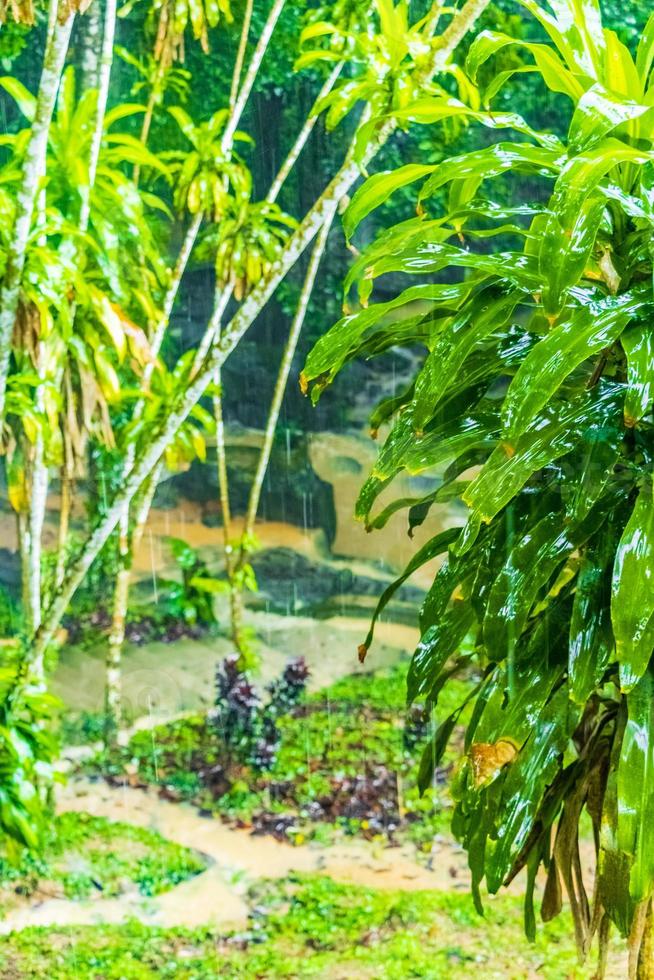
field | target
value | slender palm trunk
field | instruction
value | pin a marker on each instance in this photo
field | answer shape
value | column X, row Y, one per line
column 154, row 91
column 33, row 167
column 222, row 297
column 38, row 500
column 302, row 136
column 91, row 27
column 103, row 74
column 66, row 482
column 240, row 54
column 285, row 368
column 40, row 475
column 462, row 21
column 209, row 335
column 251, row 74
column 127, row 548
column 273, row 417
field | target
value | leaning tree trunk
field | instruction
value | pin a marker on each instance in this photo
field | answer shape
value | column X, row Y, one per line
column 251, row 74
column 462, row 21
column 273, row 416
column 126, row 550
column 33, row 167
column 302, row 136
column 240, row 54
column 91, row 27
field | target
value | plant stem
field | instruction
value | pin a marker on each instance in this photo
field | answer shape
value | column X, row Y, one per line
column 126, row 551
column 103, row 76
column 66, row 477
column 236, row 567
column 240, row 54
column 90, row 62
column 33, row 167
column 302, row 136
column 251, row 74
column 282, row 377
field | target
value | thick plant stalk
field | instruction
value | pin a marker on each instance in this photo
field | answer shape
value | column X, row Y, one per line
column 302, row 136
column 38, row 499
column 53, row 63
column 126, row 551
column 90, row 60
column 225, row 507
column 209, row 334
column 251, row 74
column 39, row 469
column 236, row 592
column 103, row 76
column 237, row 327
column 240, row 54
column 125, row 548
column 66, row 480
column 285, row 368
column 222, row 298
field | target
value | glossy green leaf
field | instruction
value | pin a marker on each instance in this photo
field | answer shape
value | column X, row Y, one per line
column 377, row 190
column 555, row 432
column 432, row 549
column 484, row 314
column 491, row 162
column 530, row 563
column 638, row 345
column 591, row 638
column 438, row 643
column 632, row 596
column 598, row 112
column 636, row 788
column 527, row 778
column 586, row 331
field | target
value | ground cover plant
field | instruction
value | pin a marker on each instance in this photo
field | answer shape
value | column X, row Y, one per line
column 341, row 761
column 535, row 318
column 87, row 857
column 308, row 926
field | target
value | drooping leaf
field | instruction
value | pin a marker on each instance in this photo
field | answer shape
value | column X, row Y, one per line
column 632, row 596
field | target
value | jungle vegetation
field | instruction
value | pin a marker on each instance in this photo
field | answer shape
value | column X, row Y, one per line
column 534, row 393
column 128, row 161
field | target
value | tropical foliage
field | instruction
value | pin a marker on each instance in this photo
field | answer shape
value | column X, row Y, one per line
column 533, row 405
column 109, row 195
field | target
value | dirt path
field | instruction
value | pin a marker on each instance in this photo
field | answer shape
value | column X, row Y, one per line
column 217, row 896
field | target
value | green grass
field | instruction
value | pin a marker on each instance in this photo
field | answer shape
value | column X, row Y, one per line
column 86, row 855
column 343, row 731
column 309, row 926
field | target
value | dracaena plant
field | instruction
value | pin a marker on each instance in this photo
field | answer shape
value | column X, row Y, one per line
column 532, row 405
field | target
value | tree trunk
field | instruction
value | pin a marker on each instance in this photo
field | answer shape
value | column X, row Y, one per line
column 38, row 500
column 236, row 591
column 302, row 237
column 251, row 74
column 65, row 478
column 240, row 54
column 91, row 27
column 302, row 137
column 285, row 368
column 33, row 166
column 126, row 550
column 103, row 74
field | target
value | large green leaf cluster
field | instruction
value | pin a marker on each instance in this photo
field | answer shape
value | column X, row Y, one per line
column 533, row 405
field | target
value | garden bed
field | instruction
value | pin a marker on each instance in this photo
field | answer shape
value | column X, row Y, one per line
column 347, row 760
